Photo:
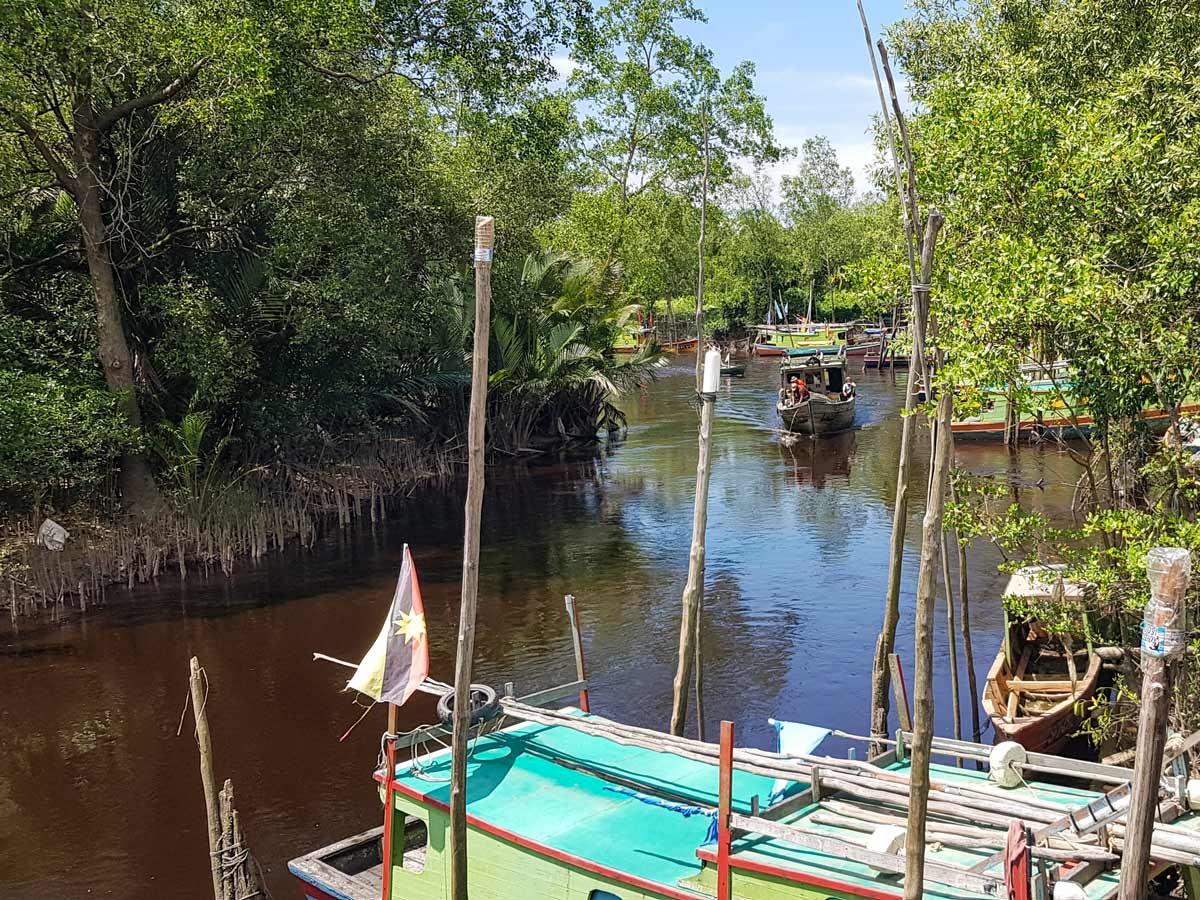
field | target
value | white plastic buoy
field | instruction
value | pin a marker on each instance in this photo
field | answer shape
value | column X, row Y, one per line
column 711, row 378
column 886, row 839
column 1003, row 762
column 1193, row 794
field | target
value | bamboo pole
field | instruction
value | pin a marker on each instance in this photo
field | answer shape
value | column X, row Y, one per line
column 484, row 244
column 886, row 643
column 389, row 802
column 211, row 802
column 952, row 640
column 695, row 580
column 1169, row 570
column 965, row 624
column 700, row 251
column 931, row 532
column 699, row 668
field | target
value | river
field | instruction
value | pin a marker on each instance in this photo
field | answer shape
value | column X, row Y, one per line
column 99, row 796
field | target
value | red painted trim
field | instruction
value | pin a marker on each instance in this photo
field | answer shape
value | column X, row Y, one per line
column 904, row 689
column 389, row 815
column 829, row 884
column 311, row 890
column 587, row 865
column 724, row 806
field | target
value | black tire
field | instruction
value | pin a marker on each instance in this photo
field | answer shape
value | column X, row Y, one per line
column 484, row 706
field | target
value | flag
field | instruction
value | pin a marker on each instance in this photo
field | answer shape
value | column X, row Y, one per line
column 398, row 661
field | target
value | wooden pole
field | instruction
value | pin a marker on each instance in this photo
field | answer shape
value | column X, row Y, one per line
column 1163, row 637
column 577, row 643
column 699, row 668
column 886, row 643
column 724, row 808
column 700, row 252
column 965, row 624
column 485, row 235
column 931, row 533
column 695, row 580
column 952, row 639
column 389, row 803
column 211, row 802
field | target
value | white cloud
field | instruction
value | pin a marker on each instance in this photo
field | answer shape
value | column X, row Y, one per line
column 564, row 66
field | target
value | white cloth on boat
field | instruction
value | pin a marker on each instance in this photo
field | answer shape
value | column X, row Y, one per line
column 797, row 738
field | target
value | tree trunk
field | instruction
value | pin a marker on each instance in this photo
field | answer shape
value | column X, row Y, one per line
column 138, row 488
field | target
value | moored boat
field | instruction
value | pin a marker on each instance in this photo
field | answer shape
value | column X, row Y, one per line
column 567, row 805
column 737, row 369
column 1037, row 692
column 683, row 346
column 828, row 404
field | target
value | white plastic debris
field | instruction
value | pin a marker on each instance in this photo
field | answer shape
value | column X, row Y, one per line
column 52, row 536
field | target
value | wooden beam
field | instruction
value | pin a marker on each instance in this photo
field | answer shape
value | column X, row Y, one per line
column 577, row 644
column 199, row 690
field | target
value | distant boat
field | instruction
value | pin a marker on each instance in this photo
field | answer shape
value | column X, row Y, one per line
column 739, row 369
column 685, row 346
column 827, row 410
column 631, row 340
column 799, row 340
column 1029, row 694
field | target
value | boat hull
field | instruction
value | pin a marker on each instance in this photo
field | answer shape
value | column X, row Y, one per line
column 1049, row 731
column 818, row 415
column 680, row 346
column 770, row 350
column 733, row 370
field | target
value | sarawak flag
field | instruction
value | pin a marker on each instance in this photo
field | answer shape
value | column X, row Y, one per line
column 398, row 661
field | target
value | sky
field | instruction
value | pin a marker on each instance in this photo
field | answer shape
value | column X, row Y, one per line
column 812, row 67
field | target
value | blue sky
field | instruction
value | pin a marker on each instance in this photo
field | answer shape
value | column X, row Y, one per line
column 812, row 66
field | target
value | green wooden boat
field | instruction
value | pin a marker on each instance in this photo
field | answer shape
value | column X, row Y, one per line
column 609, row 813
column 737, row 369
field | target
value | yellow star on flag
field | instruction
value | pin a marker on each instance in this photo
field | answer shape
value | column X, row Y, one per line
column 412, row 627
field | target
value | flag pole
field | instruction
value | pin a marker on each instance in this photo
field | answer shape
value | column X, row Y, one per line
column 485, row 236
column 389, row 812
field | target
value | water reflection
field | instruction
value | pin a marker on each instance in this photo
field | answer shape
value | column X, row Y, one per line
column 97, row 791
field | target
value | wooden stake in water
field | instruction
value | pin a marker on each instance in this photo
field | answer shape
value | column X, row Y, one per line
column 484, row 245
column 211, row 803
column 695, row 579
column 931, row 533
column 1169, row 570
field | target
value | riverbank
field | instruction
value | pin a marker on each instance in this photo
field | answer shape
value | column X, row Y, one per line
column 260, row 511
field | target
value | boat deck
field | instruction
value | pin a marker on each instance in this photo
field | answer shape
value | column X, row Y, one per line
column 812, row 866
column 566, row 790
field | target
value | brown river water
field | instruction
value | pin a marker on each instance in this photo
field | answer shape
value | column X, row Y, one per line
column 100, row 797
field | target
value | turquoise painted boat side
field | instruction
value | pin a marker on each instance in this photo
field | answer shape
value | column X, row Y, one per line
column 524, row 781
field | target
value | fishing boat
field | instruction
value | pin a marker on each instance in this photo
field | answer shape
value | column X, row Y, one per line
column 1037, row 693
column 1051, row 407
column 829, row 406
column 631, row 340
column 686, row 345
column 799, row 340
column 735, row 369
column 567, row 805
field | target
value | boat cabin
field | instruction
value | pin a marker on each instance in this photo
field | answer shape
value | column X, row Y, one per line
column 822, row 374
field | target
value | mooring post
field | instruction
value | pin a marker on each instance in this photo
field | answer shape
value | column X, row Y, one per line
column 724, row 807
column 389, row 801
column 1164, row 636
column 577, row 643
column 485, row 240
column 204, row 740
column 695, row 579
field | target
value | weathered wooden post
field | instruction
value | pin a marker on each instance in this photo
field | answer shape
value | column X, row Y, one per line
column 695, row 580
column 931, row 534
column 485, row 239
column 724, row 808
column 1164, row 636
column 211, row 803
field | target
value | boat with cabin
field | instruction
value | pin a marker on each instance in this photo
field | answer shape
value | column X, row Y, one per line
column 829, row 405
column 1040, row 688
column 799, row 340
column 563, row 804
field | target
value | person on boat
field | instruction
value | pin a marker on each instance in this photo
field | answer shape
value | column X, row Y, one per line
column 848, row 390
column 799, row 390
